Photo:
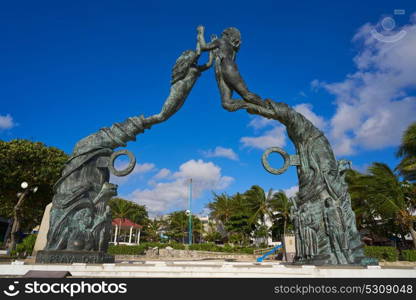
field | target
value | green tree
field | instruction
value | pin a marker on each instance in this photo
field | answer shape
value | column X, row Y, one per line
column 365, row 212
column 124, row 209
column 259, row 204
column 239, row 227
column 212, row 234
column 178, row 226
column 262, row 232
column 153, row 228
column 221, row 208
column 385, row 196
column 240, row 224
column 407, row 151
column 281, row 205
column 33, row 162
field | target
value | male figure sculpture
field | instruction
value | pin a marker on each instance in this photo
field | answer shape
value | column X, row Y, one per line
column 320, row 175
column 225, row 49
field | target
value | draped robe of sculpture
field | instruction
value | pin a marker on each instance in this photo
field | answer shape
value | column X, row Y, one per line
column 320, row 176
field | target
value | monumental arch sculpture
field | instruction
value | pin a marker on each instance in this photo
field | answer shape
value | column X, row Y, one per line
column 324, row 222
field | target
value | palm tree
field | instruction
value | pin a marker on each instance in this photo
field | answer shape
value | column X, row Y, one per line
column 221, row 209
column 259, row 204
column 281, row 204
column 386, row 193
column 153, row 228
column 121, row 208
column 177, row 226
column 212, row 235
column 260, row 208
column 407, row 151
column 365, row 213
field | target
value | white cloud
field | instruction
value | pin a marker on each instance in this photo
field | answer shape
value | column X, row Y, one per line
column 163, row 173
column 373, row 105
column 139, row 169
column 316, row 85
column 204, row 212
column 221, row 152
column 143, row 168
column 174, row 194
column 290, row 192
column 6, row 122
column 306, row 110
column 275, row 137
column 259, row 122
column 361, row 168
column 303, row 94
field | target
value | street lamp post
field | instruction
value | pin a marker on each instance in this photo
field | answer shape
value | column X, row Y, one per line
column 16, row 213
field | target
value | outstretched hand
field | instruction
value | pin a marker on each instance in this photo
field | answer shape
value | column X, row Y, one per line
column 200, row 29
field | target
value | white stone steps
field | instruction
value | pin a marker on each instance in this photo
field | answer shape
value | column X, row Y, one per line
column 212, row 269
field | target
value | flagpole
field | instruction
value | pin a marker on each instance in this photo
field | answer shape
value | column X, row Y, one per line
column 190, row 212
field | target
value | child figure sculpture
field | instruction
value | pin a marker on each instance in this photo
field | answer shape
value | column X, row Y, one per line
column 227, row 74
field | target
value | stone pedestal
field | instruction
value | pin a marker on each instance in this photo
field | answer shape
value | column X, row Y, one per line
column 43, row 231
column 69, row 257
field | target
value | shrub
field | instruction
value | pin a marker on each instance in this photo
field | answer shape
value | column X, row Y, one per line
column 141, row 249
column 382, row 253
column 205, row 247
column 25, row 248
column 126, row 250
column 246, row 250
column 226, row 248
column 177, row 246
column 408, row 255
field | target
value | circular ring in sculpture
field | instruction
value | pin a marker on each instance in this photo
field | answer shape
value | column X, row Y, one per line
column 128, row 169
column 266, row 165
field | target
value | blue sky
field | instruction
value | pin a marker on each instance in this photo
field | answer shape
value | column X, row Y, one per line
column 70, row 68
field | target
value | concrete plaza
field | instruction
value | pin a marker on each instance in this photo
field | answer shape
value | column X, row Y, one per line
column 208, row 269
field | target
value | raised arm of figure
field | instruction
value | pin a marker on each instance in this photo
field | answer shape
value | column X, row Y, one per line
column 206, row 66
column 202, row 45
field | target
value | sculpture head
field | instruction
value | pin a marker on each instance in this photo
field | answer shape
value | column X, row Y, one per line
column 329, row 202
column 109, row 190
column 233, row 36
column 182, row 65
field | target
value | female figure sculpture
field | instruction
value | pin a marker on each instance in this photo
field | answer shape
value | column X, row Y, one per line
column 80, row 218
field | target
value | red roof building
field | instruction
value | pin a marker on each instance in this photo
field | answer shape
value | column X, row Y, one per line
column 125, row 223
column 125, row 232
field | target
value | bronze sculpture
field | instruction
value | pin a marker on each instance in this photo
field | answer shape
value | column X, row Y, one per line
column 324, row 222
column 80, row 221
column 320, row 175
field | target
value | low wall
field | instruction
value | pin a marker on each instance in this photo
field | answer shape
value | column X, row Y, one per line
column 186, row 254
column 207, row 269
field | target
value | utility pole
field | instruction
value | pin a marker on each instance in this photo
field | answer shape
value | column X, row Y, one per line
column 190, row 212
column 17, row 213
